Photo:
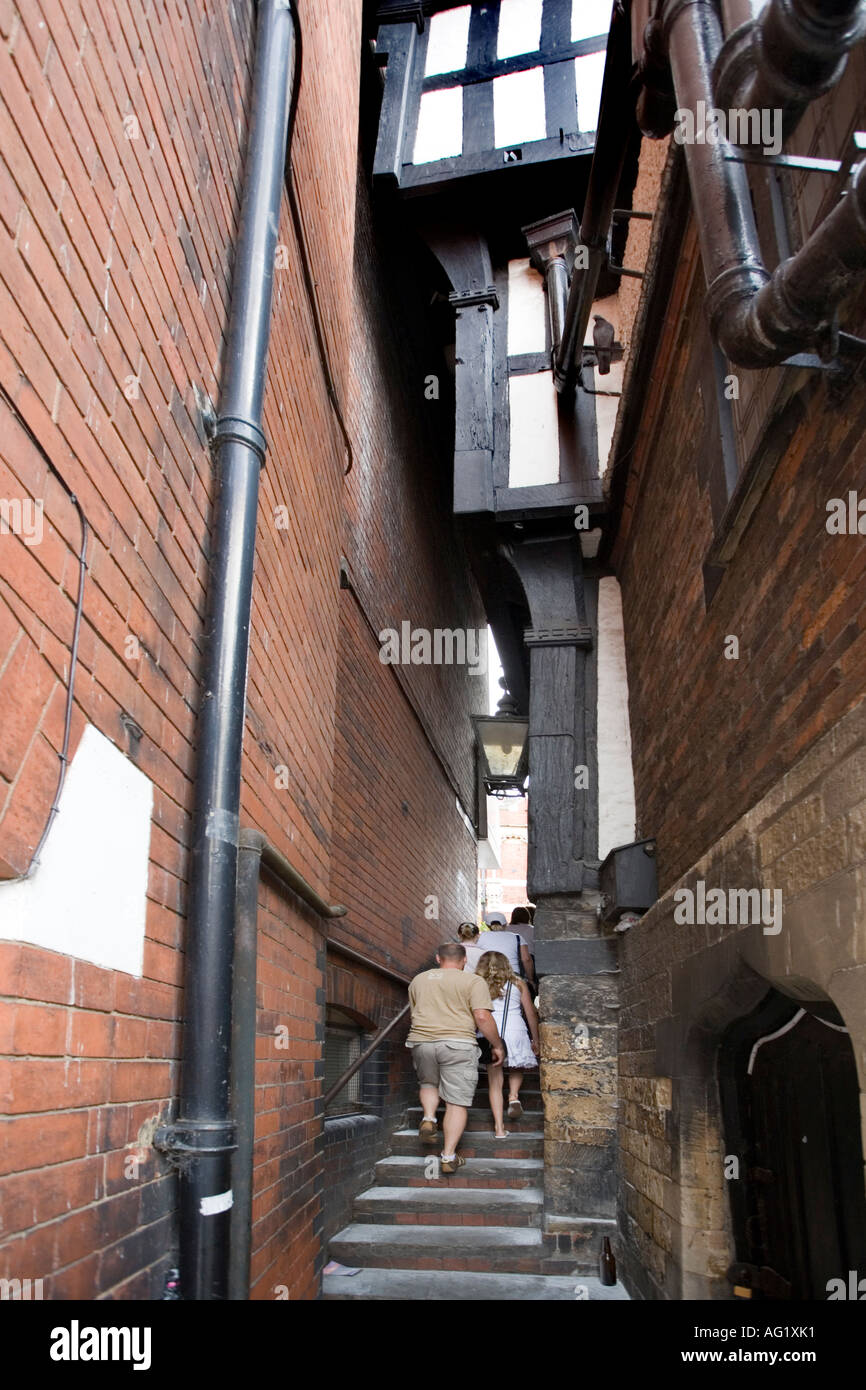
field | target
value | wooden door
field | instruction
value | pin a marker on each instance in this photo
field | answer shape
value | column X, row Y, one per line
column 791, row 1111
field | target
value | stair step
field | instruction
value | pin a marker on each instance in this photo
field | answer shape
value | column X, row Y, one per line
column 407, row 1170
column 503, row 1249
column 480, row 1117
column 529, row 1095
column 524, row 1143
column 406, row 1206
column 460, row 1286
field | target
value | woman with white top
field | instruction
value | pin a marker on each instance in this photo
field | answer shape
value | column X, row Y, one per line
column 512, row 1004
column 467, row 935
column 512, row 945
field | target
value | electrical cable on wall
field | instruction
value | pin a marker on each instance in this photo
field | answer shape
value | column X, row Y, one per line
column 306, row 267
column 76, row 631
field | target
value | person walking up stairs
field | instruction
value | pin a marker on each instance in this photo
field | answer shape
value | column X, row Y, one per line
column 455, row 1226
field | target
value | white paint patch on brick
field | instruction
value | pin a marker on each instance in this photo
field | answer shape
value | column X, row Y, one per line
column 616, row 808
column 87, row 896
column 534, row 452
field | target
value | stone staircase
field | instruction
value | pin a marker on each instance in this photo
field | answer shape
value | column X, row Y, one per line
column 419, row 1235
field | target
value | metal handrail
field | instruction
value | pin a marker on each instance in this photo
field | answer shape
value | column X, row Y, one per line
column 359, row 1061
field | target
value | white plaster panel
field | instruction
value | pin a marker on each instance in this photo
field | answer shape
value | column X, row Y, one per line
column 518, row 107
column 440, row 125
column 88, row 895
column 588, row 76
column 519, row 27
column 447, row 41
column 616, row 807
column 527, row 309
column 534, row 452
column 588, row 18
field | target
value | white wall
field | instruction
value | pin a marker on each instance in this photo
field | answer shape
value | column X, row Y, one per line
column 88, row 895
column 616, row 808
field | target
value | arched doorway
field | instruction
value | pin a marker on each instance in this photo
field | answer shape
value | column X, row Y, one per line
column 791, row 1115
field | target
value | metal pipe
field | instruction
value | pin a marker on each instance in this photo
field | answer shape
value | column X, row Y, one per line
column 204, row 1134
column 243, row 1073
column 792, row 53
column 721, row 199
column 556, row 280
column 611, row 142
column 797, row 305
column 758, row 320
column 254, row 849
column 738, row 12
column 279, row 865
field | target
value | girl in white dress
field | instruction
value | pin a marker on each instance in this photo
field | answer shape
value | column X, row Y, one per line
column 512, row 1002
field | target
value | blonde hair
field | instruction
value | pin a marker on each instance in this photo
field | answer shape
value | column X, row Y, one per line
column 495, row 969
column 467, row 931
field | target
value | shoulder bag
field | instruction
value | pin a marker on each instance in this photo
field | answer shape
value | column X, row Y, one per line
column 486, row 1050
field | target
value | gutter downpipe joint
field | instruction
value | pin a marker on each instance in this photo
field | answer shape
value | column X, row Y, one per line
column 202, row 1138
column 791, row 53
column 721, row 200
column 758, row 320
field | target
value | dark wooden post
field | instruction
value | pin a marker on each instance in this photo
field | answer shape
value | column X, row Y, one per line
column 575, row 958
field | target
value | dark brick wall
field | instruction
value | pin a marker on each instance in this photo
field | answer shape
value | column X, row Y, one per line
column 746, row 771
column 710, row 735
column 353, row 1143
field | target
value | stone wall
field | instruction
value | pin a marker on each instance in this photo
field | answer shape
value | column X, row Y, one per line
column 682, row 985
column 578, row 1006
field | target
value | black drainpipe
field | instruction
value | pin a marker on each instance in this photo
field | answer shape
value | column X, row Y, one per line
column 202, row 1138
column 615, row 125
column 757, row 319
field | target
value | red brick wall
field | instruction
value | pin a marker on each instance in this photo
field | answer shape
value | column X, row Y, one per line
column 286, row 1159
column 710, row 735
column 398, row 836
column 115, row 258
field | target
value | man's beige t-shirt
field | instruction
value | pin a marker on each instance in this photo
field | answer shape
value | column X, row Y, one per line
column 442, row 1003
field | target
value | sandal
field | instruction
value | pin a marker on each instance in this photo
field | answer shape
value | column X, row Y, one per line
column 515, row 1109
column 506, row 1135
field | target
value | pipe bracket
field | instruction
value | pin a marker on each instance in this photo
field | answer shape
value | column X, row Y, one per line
column 235, row 428
column 191, row 1138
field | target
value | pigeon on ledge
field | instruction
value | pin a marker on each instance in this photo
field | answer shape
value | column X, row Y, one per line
column 602, row 337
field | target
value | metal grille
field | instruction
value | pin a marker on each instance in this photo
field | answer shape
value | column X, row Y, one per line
column 343, row 1043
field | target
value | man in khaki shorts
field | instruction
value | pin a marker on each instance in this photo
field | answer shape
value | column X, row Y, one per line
column 448, row 1005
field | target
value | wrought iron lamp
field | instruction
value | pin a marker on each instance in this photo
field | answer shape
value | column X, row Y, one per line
column 503, row 743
